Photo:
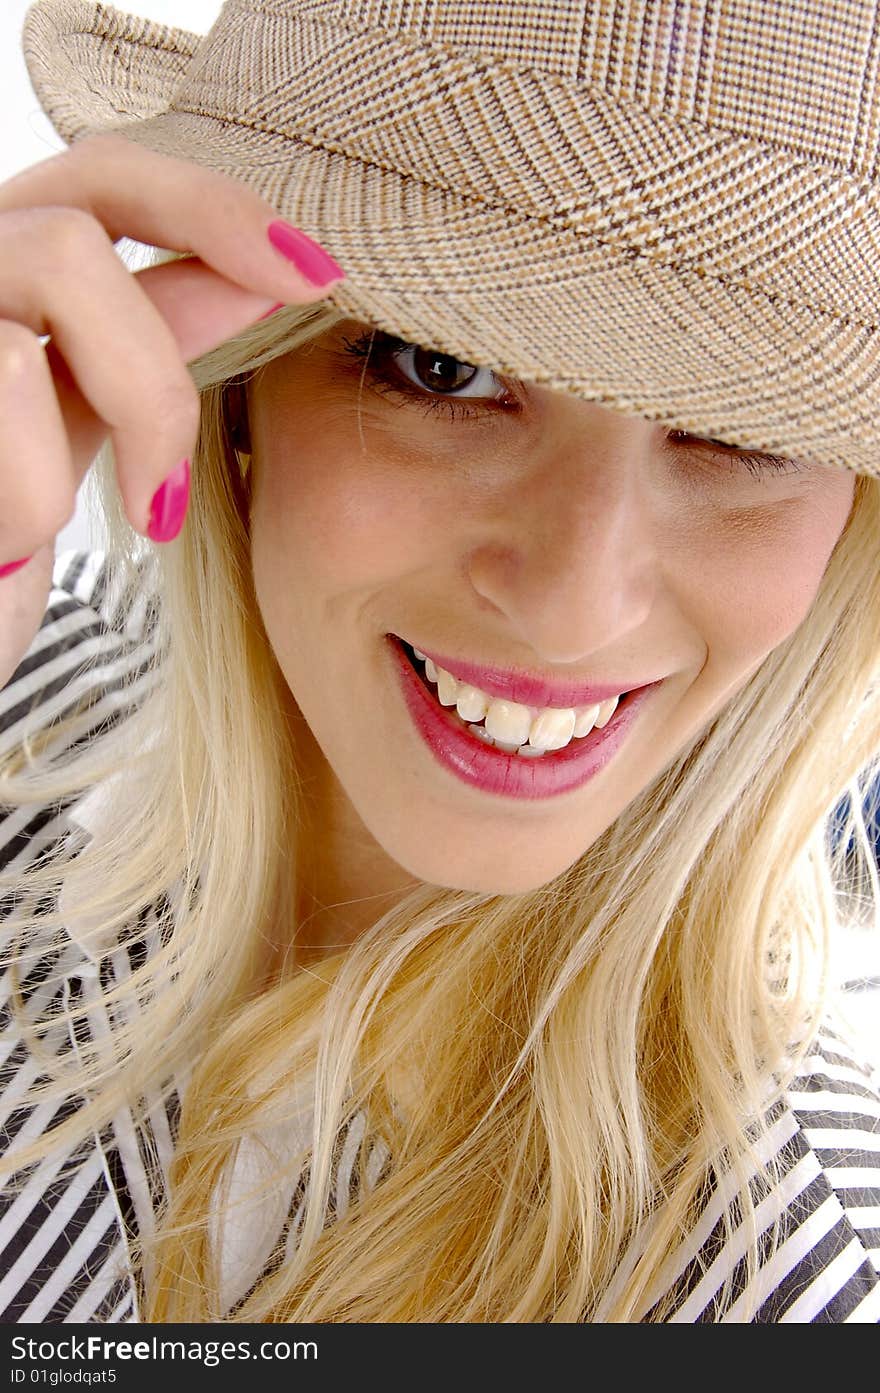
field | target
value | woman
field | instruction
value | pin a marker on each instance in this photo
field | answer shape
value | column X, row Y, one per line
column 321, row 1008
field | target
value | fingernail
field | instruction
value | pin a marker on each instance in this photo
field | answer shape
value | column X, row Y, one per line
column 13, row 566
column 169, row 505
column 311, row 260
column 273, row 310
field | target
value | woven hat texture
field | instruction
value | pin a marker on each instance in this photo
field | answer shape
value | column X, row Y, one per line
column 670, row 207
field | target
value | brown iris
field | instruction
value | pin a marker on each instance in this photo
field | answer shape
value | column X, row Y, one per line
column 440, row 372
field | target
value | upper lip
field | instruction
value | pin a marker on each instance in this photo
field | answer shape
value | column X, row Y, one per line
column 529, row 688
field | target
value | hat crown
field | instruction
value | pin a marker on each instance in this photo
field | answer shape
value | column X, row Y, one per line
column 803, row 76
column 598, row 114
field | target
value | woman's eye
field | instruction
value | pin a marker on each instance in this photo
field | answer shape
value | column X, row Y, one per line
column 427, row 378
column 439, row 372
column 756, row 464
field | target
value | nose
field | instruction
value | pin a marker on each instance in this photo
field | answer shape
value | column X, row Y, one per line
column 571, row 562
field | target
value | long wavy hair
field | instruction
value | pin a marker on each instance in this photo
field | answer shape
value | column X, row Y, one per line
column 559, row 1074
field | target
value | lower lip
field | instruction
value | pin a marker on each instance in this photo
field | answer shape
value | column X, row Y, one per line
column 511, row 776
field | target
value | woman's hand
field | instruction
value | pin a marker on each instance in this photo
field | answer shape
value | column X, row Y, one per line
column 115, row 363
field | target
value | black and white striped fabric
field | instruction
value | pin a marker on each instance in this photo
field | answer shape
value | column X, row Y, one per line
column 67, row 1226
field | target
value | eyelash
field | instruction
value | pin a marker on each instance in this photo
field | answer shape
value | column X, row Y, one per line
column 374, row 349
column 756, row 464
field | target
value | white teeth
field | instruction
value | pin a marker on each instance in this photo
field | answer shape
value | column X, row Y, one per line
column 586, row 720
column 552, row 729
column 509, row 722
column 525, row 751
column 510, row 726
column 447, row 688
column 482, row 734
column 507, row 748
column 606, row 711
column 471, row 704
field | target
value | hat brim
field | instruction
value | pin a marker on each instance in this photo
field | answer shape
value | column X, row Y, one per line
column 470, row 278
column 93, row 67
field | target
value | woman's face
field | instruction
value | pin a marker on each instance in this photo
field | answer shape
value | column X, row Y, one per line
column 395, row 491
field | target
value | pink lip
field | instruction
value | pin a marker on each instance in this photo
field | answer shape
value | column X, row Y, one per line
column 526, row 690
column 493, row 771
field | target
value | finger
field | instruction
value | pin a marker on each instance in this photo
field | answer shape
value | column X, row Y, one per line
column 176, row 204
column 60, row 274
column 201, row 308
column 37, row 481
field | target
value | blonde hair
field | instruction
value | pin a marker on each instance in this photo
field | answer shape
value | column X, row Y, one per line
column 601, row 1049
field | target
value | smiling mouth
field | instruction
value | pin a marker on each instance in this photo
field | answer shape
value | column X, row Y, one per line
column 476, row 728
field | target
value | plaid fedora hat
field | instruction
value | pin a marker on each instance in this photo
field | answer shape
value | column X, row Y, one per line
column 671, row 207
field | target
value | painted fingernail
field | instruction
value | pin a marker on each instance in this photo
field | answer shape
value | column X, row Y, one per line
column 13, row 566
column 169, row 505
column 310, row 259
column 273, row 310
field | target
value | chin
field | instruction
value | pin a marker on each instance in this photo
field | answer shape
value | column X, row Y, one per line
column 484, row 879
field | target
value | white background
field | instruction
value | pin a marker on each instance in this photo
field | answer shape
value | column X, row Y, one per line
column 29, row 137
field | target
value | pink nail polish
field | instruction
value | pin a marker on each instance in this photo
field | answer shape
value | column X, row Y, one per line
column 308, row 257
column 169, row 505
column 13, row 566
column 273, row 310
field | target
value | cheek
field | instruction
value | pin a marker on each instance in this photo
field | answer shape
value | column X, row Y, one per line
column 757, row 572
column 344, row 496
column 345, row 517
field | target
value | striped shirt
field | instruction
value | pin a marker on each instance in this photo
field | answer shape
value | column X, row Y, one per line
column 67, row 1227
